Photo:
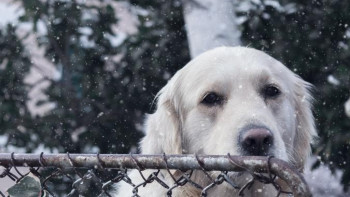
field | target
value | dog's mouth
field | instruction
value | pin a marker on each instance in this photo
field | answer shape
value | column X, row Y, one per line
column 259, row 152
column 234, row 175
column 267, row 151
column 239, row 178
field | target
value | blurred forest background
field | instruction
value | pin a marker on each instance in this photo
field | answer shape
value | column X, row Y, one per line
column 79, row 76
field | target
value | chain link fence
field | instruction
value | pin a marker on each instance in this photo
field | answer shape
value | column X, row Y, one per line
column 95, row 174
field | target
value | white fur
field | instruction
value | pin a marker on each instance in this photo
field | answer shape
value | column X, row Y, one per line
column 183, row 125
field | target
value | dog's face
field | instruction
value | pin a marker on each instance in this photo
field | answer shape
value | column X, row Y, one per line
column 233, row 100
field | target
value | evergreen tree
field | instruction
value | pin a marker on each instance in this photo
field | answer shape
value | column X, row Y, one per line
column 100, row 103
column 15, row 119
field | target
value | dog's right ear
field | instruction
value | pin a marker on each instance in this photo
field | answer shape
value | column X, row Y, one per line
column 163, row 128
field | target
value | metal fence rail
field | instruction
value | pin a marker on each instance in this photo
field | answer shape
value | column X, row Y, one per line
column 262, row 169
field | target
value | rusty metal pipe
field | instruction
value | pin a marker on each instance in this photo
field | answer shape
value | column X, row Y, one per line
column 183, row 162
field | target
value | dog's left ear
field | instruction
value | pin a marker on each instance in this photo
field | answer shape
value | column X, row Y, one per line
column 163, row 128
column 305, row 128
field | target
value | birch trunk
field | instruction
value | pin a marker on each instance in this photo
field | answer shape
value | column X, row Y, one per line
column 209, row 24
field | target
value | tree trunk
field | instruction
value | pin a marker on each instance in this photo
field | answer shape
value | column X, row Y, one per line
column 209, row 24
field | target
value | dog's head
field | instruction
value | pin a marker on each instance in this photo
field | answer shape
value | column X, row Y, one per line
column 233, row 100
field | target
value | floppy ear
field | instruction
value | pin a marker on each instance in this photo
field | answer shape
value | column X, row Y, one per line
column 163, row 128
column 305, row 130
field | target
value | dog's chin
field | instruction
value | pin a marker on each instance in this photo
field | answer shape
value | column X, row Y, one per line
column 235, row 175
column 240, row 178
column 276, row 153
column 262, row 154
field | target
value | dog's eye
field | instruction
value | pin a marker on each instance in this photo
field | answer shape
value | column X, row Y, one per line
column 212, row 99
column 271, row 91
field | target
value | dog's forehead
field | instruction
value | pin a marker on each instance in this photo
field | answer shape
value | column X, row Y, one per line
column 235, row 63
column 234, row 59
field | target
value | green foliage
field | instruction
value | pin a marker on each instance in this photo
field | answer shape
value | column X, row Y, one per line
column 34, row 185
column 28, row 186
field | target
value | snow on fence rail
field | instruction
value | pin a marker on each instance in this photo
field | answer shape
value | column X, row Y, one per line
column 83, row 171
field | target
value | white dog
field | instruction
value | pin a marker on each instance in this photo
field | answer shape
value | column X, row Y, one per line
column 229, row 100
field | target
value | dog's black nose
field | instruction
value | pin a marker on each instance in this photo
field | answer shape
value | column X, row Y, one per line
column 256, row 141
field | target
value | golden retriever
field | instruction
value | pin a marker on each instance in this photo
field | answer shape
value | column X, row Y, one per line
column 233, row 100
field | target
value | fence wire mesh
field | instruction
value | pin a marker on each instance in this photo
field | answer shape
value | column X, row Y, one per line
column 95, row 174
